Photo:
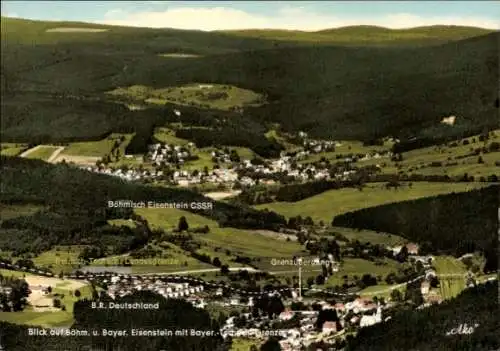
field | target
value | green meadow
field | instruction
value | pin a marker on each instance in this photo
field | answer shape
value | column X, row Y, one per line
column 98, row 148
column 11, row 149
column 334, row 202
column 42, row 153
column 216, row 96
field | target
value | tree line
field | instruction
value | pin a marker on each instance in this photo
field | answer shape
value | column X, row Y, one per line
column 75, row 209
column 13, row 294
column 455, row 223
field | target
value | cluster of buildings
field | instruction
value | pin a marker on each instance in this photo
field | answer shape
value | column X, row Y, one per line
column 244, row 171
column 412, row 248
column 215, row 176
column 430, row 295
column 119, row 286
column 128, row 174
column 220, row 156
column 358, row 313
column 169, row 154
column 288, row 166
column 317, row 146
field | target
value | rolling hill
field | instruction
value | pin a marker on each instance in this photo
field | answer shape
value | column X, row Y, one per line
column 368, row 35
column 71, row 206
column 346, row 89
column 456, row 223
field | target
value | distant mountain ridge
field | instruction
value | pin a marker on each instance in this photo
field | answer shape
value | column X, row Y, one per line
column 366, row 33
column 397, row 82
column 362, row 27
column 363, row 33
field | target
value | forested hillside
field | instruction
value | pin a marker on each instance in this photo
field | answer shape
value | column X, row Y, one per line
column 75, row 206
column 367, row 35
column 427, row 329
column 346, row 91
column 455, row 223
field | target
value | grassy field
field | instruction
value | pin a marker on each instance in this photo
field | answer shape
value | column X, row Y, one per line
column 370, row 236
column 42, row 153
column 469, row 165
column 172, row 259
column 169, row 218
column 381, row 290
column 68, row 299
column 11, row 149
column 204, row 160
column 348, row 147
column 452, row 159
column 122, row 222
column 252, row 244
column 46, row 318
column 135, row 162
column 98, row 148
column 281, row 139
column 331, row 203
column 450, row 287
column 239, row 242
column 60, row 258
column 358, row 267
column 167, row 135
column 216, row 96
column 448, row 265
column 16, row 274
column 244, row 152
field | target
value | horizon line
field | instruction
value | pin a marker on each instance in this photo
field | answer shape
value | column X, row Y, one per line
column 255, row 29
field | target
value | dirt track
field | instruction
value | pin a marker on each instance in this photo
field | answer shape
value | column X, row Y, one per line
column 29, row 151
column 52, row 157
column 79, row 160
column 55, row 154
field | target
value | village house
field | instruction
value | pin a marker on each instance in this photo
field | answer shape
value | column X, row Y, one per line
column 432, row 298
column 368, row 320
column 287, row 314
column 360, row 304
column 339, row 307
column 412, row 248
column 424, row 287
column 329, row 328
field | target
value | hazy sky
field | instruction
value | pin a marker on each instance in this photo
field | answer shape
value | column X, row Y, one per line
column 302, row 15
